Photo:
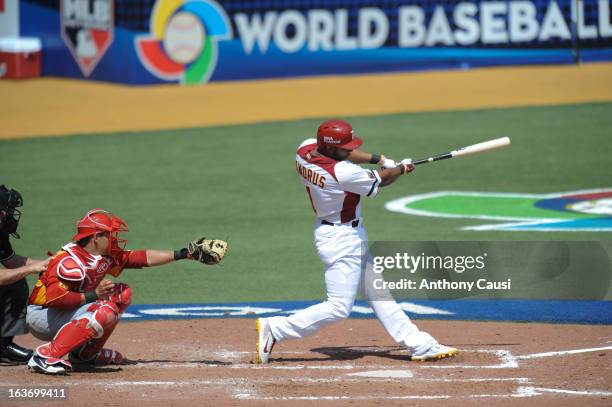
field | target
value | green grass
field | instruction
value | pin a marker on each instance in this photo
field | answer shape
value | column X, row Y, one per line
column 239, row 183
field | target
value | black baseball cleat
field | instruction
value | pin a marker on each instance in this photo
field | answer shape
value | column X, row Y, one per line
column 13, row 353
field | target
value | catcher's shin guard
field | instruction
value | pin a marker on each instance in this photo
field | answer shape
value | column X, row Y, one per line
column 106, row 314
column 72, row 335
column 90, row 352
column 101, row 316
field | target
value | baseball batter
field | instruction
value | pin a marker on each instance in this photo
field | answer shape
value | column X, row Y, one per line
column 76, row 309
column 335, row 185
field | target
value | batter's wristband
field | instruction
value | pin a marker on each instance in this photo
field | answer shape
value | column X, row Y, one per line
column 181, row 254
column 90, row 296
column 402, row 169
column 375, row 159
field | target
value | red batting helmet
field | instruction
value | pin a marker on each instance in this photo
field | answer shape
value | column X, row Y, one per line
column 337, row 133
column 100, row 221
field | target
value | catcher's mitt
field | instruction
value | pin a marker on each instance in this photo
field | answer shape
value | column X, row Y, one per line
column 207, row 251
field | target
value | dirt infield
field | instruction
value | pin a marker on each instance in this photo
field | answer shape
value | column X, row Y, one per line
column 209, row 362
column 47, row 107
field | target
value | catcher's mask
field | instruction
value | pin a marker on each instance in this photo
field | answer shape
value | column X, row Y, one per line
column 100, row 221
column 10, row 200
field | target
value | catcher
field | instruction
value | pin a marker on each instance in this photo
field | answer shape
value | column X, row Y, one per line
column 76, row 309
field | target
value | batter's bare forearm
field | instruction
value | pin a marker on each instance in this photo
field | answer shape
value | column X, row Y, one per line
column 361, row 157
column 389, row 176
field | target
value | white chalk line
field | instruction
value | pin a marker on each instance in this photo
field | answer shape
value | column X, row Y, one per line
column 385, row 373
column 561, row 353
column 506, row 361
column 506, row 358
column 248, row 396
column 520, row 392
column 196, row 365
column 573, row 392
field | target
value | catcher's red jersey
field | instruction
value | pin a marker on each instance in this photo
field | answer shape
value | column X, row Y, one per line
column 73, row 271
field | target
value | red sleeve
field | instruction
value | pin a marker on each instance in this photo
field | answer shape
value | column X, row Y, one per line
column 59, row 295
column 137, row 259
column 63, row 299
column 129, row 259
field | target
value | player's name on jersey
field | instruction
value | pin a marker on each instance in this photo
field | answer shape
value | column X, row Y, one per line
column 311, row 176
column 442, row 284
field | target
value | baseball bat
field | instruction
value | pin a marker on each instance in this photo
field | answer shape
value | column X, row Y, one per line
column 473, row 149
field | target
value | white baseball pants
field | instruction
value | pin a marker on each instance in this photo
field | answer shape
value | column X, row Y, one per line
column 339, row 247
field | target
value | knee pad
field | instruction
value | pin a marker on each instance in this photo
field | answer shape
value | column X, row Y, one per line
column 101, row 315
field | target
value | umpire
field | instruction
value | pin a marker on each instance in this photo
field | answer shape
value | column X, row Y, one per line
column 13, row 285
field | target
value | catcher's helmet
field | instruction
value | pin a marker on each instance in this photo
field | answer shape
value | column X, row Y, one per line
column 100, row 221
column 337, row 133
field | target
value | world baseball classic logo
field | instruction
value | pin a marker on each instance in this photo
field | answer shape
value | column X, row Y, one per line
column 584, row 211
column 182, row 45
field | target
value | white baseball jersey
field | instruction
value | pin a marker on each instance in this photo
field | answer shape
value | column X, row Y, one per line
column 334, row 187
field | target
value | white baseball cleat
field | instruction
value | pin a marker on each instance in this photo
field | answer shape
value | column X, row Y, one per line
column 434, row 352
column 265, row 341
column 51, row 366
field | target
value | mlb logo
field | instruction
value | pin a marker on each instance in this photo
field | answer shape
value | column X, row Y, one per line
column 87, row 30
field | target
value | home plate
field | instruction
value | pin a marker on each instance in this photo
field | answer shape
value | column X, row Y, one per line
column 384, row 373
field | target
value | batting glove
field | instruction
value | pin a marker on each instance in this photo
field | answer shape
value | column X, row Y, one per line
column 387, row 163
column 407, row 164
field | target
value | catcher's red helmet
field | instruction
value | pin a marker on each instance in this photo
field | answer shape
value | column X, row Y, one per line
column 337, row 133
column 99, row 221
